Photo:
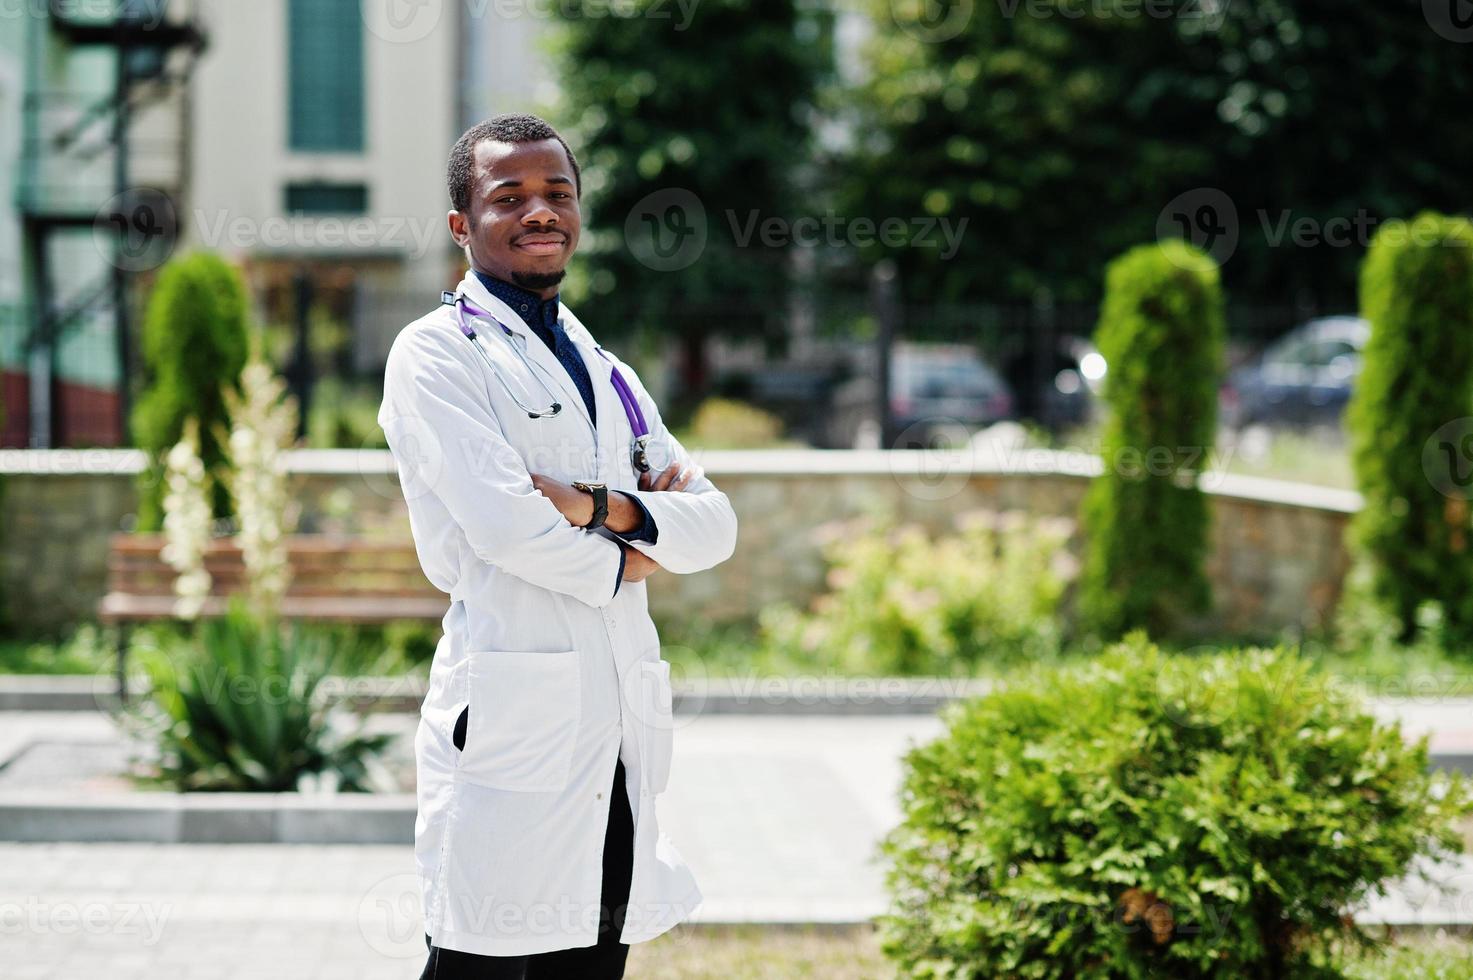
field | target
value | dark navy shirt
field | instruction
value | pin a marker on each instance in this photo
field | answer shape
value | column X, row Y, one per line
column 541, row 315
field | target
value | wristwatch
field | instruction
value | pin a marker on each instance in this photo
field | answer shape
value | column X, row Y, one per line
column 600, row 493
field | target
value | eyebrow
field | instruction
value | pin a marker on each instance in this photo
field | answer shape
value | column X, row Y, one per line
column 517, row 183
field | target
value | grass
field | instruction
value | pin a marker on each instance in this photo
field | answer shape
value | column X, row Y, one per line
column 391, row 650
column 853, row 953
column 1316, row 456
column 1379, row 667
column 1323, row 460
column 752, row 952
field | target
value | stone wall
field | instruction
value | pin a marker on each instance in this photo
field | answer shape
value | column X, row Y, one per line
column 1277, row 556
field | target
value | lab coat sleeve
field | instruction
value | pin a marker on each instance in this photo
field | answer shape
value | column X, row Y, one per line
column 697, row 527
column 446, row 441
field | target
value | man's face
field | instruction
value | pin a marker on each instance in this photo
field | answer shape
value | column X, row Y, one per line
column 523, row 221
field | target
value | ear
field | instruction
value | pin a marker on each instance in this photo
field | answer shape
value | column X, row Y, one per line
column 460, row 228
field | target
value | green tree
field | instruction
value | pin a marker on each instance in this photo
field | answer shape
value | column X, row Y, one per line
column 716, row 107
column 1145, row 517
column 1409, row 419
column 1061, row 130
column 195, row 343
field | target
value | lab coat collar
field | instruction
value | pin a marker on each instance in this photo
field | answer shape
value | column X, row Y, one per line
column 600, row 371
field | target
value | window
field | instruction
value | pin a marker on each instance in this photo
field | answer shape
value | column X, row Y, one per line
column 326, row 199
column 325, row 75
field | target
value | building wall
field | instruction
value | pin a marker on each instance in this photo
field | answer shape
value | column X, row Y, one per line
column 242, row 162
column 1277, row 556
column 507, row 68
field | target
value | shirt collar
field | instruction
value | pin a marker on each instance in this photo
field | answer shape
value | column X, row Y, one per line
column 535, row 311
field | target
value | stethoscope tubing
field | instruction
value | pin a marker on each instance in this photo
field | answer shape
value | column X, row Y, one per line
column 630, row 404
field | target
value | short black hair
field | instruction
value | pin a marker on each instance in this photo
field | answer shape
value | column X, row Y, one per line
column 511, row 127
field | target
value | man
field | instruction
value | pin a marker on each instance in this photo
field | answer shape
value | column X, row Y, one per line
column 546, row 731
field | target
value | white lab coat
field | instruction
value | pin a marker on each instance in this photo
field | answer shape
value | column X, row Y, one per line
column 562, row 674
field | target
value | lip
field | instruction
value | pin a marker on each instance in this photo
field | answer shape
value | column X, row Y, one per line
column 542, row 244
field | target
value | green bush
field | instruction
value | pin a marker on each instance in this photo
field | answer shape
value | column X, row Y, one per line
column 1154, row 816
column 730, row 424
column 344, row 417
column 1145, row 519
column 238, row 707
column 195, row 342
column 903, row 602
column 1417, row 291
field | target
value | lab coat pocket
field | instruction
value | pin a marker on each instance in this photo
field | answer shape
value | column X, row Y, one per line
column 522, row 722
column 657, row 719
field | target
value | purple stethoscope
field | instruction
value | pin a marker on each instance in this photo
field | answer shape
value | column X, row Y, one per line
column 637, row 450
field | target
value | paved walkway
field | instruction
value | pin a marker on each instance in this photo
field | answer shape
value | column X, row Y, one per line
column 778, row 816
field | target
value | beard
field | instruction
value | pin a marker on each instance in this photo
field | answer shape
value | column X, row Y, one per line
column 537, row 280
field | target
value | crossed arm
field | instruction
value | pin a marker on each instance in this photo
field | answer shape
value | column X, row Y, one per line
column 626, row 515
column 455, row 463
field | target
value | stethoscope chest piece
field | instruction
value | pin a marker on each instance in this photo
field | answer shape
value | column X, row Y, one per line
column 638, row 450
column 638, row 455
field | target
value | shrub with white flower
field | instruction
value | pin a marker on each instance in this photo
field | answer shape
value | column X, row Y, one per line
column 263, row 424
column 187, row 521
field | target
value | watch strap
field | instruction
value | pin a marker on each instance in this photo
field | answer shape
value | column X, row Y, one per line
column 600, row 493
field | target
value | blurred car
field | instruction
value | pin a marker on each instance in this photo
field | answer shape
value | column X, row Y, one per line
column 939, row 394
column 1302, row 379
column 798, row 394
column 1074, row 386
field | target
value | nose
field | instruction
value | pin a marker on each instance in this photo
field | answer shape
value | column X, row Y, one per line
column 538, row 213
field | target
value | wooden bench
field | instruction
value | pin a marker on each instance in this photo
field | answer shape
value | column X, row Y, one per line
column 333, row 579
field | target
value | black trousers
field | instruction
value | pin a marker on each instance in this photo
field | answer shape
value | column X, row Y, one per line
column 603, row 961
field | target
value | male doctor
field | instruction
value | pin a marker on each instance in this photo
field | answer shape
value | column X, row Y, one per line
column 545, row 735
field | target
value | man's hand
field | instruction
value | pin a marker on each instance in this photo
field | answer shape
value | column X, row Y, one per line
column 671, row 478
column 624, row 514
column 637, row 564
